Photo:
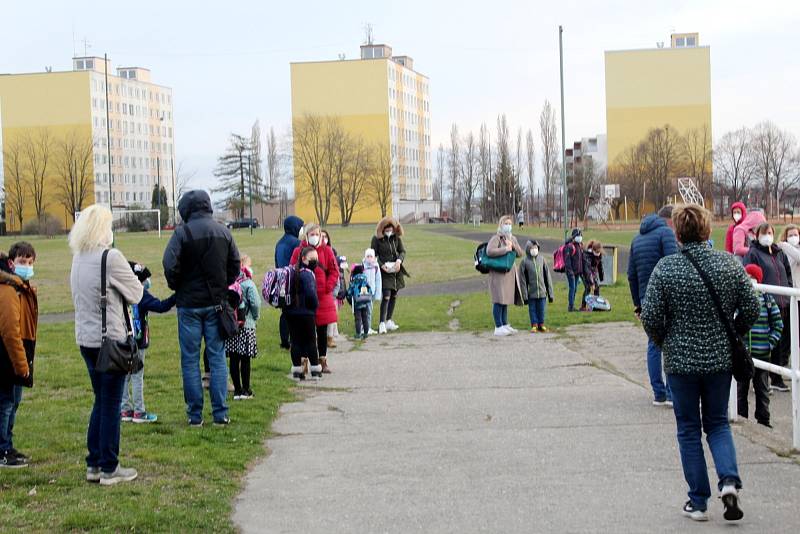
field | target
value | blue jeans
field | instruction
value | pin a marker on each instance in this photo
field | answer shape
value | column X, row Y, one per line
column 102, row 438
column 572, row 281
column 500, row 314
column 195, row 324
column 701, row 404
column 536, row 311
column 10, row 397
column 661, row 391
column 134, row 401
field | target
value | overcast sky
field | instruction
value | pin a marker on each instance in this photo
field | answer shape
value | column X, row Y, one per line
column 228, row 62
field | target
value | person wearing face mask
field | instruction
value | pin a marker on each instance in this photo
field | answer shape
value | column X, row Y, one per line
column 19, row 316
column 744, row 232
column 574, row 266
column 373, row 272
column 505, row 288
column 391, row 253
column 301, row 315
column 326, row 273
column 776, row 272
column 133, row 408
column 738, row 213
column 537, row 285
column 790, row 245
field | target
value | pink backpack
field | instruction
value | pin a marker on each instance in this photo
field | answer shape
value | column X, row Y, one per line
column 559, row 259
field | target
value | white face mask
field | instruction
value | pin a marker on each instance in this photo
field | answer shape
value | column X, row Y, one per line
column 313, row 240
column 579, row 239
column 388, row 233
column 506, row 229
column 793, row 240
column 737, row 217
column 765, row 240
column 534, row 251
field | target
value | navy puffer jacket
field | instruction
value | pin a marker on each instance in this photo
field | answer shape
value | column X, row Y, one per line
column 655, row 241
column 289, row 241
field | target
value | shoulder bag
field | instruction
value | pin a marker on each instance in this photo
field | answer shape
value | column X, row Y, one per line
column 742, row 361
column 498, row 264
column 117, row 357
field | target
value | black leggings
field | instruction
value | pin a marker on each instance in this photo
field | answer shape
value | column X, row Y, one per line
column 240, row 373
column 303, row 336
column 322, row 340
column 387, row 304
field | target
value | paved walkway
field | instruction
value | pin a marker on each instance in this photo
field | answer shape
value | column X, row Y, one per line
column 469, row 433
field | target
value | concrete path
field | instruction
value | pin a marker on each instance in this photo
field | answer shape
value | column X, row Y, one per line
column 467, row 433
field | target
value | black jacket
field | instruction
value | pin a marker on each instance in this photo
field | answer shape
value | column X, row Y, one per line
column 774, row 265
column 200, row 269
column 304, row 288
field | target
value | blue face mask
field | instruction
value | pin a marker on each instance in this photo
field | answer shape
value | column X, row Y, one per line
column 24, row 271
column 147, row 284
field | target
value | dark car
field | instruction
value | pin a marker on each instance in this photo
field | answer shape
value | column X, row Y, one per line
column 243, row 223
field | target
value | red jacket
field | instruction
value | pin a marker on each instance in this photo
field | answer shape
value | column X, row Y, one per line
column 729, row 233
column 327, row 275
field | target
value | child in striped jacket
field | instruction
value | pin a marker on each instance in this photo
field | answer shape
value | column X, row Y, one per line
column 764, row 336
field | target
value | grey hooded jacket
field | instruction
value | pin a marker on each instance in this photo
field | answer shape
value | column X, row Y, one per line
column 535, row 275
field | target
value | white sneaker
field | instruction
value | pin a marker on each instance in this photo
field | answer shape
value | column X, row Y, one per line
column 501, row 331
column 120, row 474
column 382, row 328
column 371, row 332
column 693, row 513
column 510, row 328
column 391, row 325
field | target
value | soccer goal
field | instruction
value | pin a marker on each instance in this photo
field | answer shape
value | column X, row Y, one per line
column 135, row 220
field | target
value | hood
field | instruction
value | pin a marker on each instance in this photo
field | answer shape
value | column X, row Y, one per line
column 386, row 221
column 292, row 225
column 652, row 222
column 752, row 220
column 742, row 207
column 194, row 202
column 11, row 279
column 530, row 244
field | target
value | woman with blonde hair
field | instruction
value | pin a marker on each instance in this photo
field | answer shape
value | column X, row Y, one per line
column 90, row 237
column 503, row 286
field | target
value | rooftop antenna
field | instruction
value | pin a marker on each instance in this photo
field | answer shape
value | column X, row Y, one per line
column 86, row 46
column 368, row 35
column 74, row 52
column 341, row 57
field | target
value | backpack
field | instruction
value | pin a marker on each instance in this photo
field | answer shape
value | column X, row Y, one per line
column 480, row 255
column 239, row 305
column 358, row 293
column 276, row 287
column 560, row 258
column 597, row 303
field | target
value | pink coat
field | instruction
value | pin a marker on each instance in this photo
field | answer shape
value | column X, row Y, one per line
column 743, row 231
column 327, row 274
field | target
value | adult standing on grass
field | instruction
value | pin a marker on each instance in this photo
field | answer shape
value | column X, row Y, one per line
column 19, row 316
column 326, row 274
column 90, row 237
column 504, row 288
column 283, row 258
column 391, row 253
column 656, row 240
column 679, row 314
column 200, row 262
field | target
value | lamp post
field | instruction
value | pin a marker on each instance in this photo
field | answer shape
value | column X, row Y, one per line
column 158, row 165
column 563, row 136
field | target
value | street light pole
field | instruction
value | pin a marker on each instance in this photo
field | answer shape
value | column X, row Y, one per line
column 563, row 137
column 108, row 134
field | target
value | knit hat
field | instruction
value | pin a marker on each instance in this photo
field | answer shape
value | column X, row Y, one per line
column 576, row 232
column 754, row 271
column 141, row 272
column 369, row 252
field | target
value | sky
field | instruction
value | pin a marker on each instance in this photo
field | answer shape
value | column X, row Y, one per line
column 228, row 62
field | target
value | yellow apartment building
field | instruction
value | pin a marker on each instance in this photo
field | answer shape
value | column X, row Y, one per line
column 382, row 99
column 55, row 110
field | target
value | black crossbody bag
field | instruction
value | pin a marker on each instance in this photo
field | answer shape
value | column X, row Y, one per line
column 117, row 357
column 743, row 367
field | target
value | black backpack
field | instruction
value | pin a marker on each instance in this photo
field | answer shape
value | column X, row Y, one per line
column 480, row 253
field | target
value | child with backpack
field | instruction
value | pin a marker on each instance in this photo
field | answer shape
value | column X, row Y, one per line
column 373, row 273
column 243, row 347
column 537, row 285
column 572, row 254
column 132, row 406
column 300, row 315
column 593, row 268
column 764, row 336
column 360, row 295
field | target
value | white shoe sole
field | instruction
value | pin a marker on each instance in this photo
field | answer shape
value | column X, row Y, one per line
column 695, row 517
column 730, row 500
column 117, row 480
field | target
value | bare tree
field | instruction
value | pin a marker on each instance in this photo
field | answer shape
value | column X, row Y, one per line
column 256, row 162
column 662, row 158
column 485, row 167
column 273, row 163
column 183, row 179
column 783, row 165
column 38, row 150
column 441, row 163
column 16, row 184
column 630, row 171
column 520, row 150
column 380, row 178
column 351, row 182
column 530, row 159
column 765, row 141
column 551, row 153
column 73, row 168
column 697, row 155
column 735, row 163
column 310, row 136
column 454, row 170
column 470, row 175
column 505, row 182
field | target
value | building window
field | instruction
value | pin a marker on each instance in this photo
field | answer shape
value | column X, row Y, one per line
column 691, row 41
column 680, row 42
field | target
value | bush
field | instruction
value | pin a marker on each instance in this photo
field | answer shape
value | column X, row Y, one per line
column 48, row 226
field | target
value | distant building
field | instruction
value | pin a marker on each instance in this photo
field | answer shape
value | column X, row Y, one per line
column 588, row 151
column 382, row 99
column 70, row 106
column 651, row 88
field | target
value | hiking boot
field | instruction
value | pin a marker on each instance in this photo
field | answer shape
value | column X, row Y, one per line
column 120, row 474
column 126, row 416
column 324, row 363
column 93, row 475
column 693, row 513
column 144, row 417
column 331, row 343
column 730, row 500
column 12, row 461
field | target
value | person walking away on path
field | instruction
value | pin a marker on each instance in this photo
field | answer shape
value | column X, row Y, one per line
column 537, row 285
column 91, row 236
column 200, row 262
column 594, row 268
column 521, row 219
column 243, row 347
column 301, row 314
column 359, row 294
column 574, row 264
column 656, row 240
column 763, row 338
column 326, row 274
column 333, row 328
column 373, row 273
column 391, row 252
column 744, row 232
column 738, row 213
column 505, row 289
column 133, row 408
column 283, row 258
column 680, row 316
column 19, row 317
column 777, row 272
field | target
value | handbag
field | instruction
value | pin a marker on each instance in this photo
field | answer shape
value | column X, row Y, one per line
column 117, row 357
column 498, row 264
column 742, row 361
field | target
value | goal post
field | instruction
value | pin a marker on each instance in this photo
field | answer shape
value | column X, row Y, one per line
column 135, row 220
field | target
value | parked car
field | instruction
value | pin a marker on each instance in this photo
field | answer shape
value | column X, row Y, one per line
column 243, row 223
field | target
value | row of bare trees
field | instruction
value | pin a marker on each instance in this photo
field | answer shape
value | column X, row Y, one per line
column 338, row 170
column 42, row 168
